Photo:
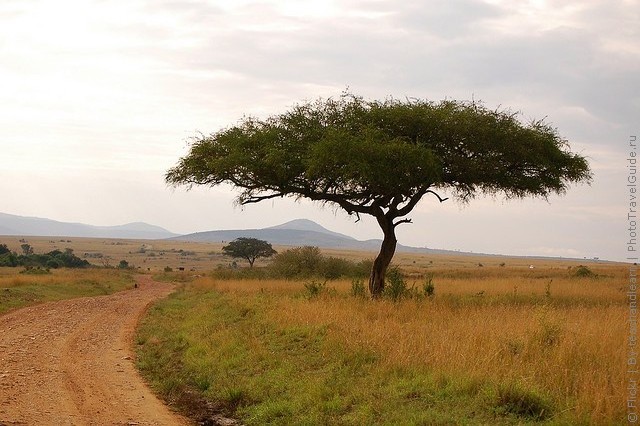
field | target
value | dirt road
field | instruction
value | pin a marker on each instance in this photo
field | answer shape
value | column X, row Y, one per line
column 69, row 363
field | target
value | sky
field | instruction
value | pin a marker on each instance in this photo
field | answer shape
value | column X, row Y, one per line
column 99, row 98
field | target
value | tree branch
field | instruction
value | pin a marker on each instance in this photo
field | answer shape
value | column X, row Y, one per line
column 442, row 200
column 402, row 221
column 413, row 200
column 256, row 199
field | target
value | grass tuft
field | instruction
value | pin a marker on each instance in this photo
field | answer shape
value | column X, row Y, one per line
column 512, row 399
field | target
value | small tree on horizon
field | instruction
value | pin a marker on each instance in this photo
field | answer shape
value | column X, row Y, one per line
column 27, row 249
column 382, row 157
column 249, row 249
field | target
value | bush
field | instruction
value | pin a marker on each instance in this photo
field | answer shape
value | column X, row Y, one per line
column 314, row 288
column 299, row 262
column 428, row 288
column 332, row 268
column 308, row 262
column 8, row 259
column 53, row 259
column 584, row 272
column 396, row 286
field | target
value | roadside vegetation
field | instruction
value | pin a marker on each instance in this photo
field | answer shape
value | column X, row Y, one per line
column 19, row 289
column 450, row 345
column 51, row 260
column 300, row 263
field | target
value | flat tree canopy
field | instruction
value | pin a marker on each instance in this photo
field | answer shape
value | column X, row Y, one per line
column 381, row 157
column 248, row 248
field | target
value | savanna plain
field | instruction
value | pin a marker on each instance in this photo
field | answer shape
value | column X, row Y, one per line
column 456, row 339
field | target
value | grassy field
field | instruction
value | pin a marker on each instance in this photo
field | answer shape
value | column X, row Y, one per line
column 144, row 255
column 18, row 289
column 495, row 344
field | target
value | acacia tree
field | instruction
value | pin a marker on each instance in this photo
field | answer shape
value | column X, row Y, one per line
column 381, row 157
column 249, row 249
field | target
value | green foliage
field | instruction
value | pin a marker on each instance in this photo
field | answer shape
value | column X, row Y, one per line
column 249, row 249
column 396, row 287
column 9, row 259
column 584, row 272
column 123, row 264
column 429, row 288
column 4, row 249
column 308, row 261
column 299, row 262
column 52, row 260
column 349, row 150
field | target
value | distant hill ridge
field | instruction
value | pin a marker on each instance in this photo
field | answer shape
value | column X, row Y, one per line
column 35, row 226
column 299, row 232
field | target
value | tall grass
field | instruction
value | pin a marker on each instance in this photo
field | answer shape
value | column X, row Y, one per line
column 18, row 290
column 514, row 345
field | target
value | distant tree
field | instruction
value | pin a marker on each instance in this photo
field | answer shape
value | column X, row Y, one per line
column 381, row 157
column 249, row 249
column 4, row 249
column 123, row 264
column 26, row 249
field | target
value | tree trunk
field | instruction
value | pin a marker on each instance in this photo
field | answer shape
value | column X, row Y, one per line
column 381, row 263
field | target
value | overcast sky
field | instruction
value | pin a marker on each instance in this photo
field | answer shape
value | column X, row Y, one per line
column 98, row 99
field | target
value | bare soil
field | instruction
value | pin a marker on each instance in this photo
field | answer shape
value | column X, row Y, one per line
column 70, row 362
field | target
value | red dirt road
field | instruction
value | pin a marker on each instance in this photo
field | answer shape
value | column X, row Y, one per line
column 70, row 363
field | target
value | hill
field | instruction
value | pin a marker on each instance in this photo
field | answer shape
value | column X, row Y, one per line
column 35, row 226
column 299, row 232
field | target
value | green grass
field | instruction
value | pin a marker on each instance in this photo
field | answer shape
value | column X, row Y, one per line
column 19, row 290
column 218, row 350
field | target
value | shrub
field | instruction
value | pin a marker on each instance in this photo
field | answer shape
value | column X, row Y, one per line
column 314, row 288
column 584, row 272
column 8, row 259
column 308, row 262
column 299, row 262
column 428, row 288
column 52, row 264
column 332, row 268
column 396, row 286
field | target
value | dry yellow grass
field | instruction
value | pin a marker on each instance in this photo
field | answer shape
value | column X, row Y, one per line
column 18, row 289
column 540, row 327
